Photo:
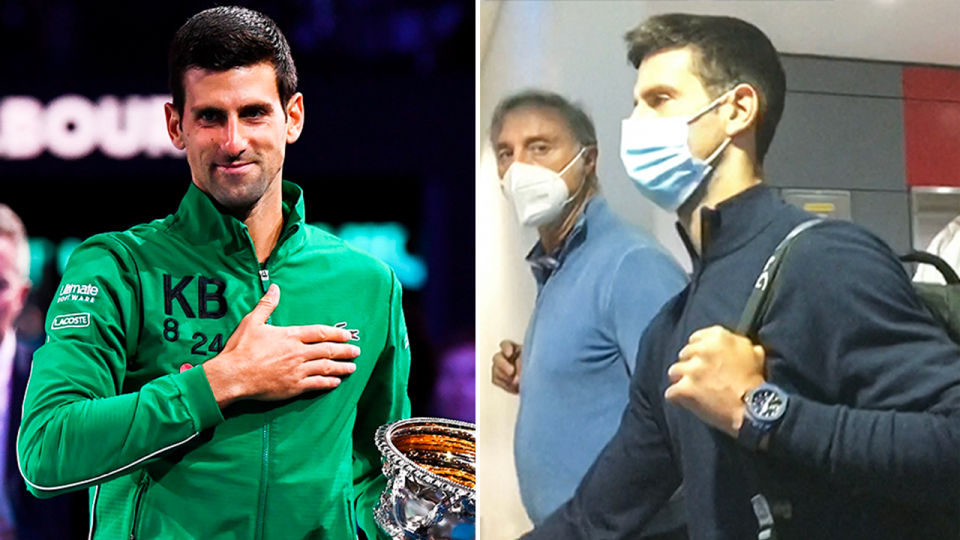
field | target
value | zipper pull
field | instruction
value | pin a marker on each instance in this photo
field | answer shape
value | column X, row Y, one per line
column 264, row 274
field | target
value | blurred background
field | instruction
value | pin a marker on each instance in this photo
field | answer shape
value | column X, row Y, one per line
column 386, row 159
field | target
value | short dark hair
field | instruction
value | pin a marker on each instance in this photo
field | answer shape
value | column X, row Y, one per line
column 727, row 52
column 578, row 121
column 228, row 37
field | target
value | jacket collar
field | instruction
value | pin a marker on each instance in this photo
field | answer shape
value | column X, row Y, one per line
column 733, row 223
column 542, row 263
column 201, row 222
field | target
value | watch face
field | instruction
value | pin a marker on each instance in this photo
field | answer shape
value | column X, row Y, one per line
column 766, row 404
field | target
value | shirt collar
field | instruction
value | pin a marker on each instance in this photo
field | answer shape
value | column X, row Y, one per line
column 542, row 263
column 8, row 350
column 733, row 223
column 200, row 221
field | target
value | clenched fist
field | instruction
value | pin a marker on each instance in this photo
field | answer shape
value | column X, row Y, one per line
column 713, row 372
column 506, row 367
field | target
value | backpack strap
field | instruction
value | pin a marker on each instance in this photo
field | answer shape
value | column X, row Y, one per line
column 760, row 297
column 948, row 273
column 941, row 300
column 749, row 326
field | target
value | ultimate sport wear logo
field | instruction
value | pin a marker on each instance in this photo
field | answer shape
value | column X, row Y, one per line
column 80, row 293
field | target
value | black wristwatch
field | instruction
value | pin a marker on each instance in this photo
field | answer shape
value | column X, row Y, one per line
column 765, row 406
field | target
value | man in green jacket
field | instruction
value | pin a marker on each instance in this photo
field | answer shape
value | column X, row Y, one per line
column 175, row 383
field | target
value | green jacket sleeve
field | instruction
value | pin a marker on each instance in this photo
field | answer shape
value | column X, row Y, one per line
column 79, row 428
column 384, row 400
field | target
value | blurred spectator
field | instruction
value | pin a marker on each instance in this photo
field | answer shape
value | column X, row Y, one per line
column 22, row 516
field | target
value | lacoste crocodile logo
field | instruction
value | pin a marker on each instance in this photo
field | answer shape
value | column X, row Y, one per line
column 354, row 334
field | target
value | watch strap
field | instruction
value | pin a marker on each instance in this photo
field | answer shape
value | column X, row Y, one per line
column 752, row 433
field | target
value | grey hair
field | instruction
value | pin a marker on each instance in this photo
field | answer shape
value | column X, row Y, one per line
column 12, row 227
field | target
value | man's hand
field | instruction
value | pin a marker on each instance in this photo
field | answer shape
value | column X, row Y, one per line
column 266, row 362
column 715, row 369
column 506, row 367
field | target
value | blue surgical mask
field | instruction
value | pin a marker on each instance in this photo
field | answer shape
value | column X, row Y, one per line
column 657, row 157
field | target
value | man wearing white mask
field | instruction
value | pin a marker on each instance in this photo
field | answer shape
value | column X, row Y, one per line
column 599, row 282
column 839, row 418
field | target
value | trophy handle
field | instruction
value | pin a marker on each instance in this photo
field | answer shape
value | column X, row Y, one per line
column 399, row 482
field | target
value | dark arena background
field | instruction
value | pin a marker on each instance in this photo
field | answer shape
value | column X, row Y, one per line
column 386, row 159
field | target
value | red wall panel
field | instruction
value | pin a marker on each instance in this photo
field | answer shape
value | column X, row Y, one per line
column 931, row 122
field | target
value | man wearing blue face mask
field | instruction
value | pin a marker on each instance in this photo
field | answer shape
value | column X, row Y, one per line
column 599, row 282
column 843, row 420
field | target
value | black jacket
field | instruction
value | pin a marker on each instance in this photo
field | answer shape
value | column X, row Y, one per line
column 869, row 447
column 64, row 517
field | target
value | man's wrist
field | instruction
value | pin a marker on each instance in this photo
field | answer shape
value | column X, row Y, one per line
column 739, row 414
column 196, row 393
column 223, row 384
column 763, row 410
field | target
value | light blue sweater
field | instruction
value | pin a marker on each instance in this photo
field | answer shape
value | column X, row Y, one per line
column 595, row 296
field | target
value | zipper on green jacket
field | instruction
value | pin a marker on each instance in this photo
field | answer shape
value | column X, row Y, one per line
column 138, row 500
column 262, row 503
column 264, row 275
column 265, row 441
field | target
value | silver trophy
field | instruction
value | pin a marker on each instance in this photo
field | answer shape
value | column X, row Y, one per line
column 430, row 465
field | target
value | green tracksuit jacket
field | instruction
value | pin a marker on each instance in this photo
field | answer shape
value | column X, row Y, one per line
column 114, row 403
